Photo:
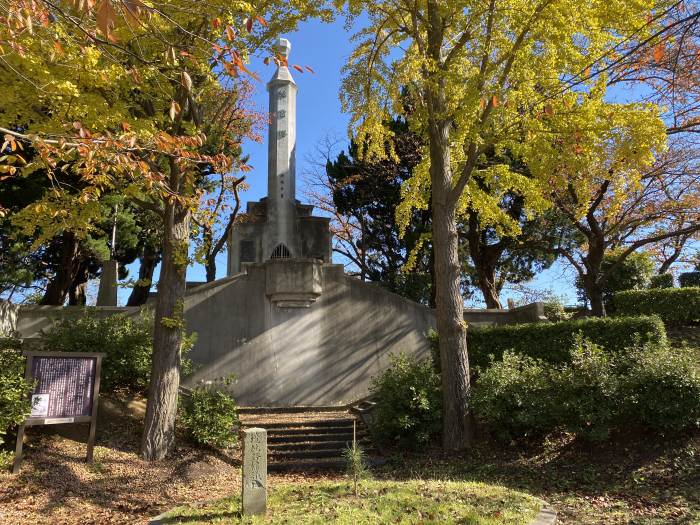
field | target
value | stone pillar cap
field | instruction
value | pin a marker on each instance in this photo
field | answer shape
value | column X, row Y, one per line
column 283, row 47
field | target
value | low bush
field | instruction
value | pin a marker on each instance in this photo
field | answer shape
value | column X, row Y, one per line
column 551, row 341
column 209, row 417
column 127, row 343
column 660, row 387
column 555, row 311
column 14, row 391
column 673, row 305
column 593, row 394
column 513, row 396
column 664, row 280
column 409, row 403
column 689, row 279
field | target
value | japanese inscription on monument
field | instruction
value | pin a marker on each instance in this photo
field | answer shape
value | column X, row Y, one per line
column 254, row 497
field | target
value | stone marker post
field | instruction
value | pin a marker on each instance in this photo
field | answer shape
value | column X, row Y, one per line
column 254, row 497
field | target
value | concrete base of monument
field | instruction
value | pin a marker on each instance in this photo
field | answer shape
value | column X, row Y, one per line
column 298, row 333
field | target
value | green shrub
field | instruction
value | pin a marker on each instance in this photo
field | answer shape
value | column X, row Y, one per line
column 689, row 279
column 661, row 388
column 409, row 403
column 672, row 305
column 585, row 391
column 552, row 341
column 209, row 417
column 555, row 311
column 434, row 342
column 513, row 396
column 126, row 341
column 14, row 390
column 664, row 280
column 594, row 393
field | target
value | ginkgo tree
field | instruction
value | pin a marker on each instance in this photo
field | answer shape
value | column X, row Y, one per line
column 610, row 190
column 479, row 72
column 109, row 93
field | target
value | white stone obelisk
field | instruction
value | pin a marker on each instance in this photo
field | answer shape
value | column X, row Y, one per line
column 281, row 167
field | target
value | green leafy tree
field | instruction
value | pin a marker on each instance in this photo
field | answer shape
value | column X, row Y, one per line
column 366, row 194
column 482, row 75
column 114, row 90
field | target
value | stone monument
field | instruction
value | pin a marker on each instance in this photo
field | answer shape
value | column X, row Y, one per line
column 279, row 226
column 254, row 483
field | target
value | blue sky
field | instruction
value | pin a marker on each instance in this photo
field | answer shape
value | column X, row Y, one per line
column 324, row 47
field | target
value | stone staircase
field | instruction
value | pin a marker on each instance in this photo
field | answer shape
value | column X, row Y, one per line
column 307, row 440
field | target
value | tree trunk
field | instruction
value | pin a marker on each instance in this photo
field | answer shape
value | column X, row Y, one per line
column 147, row 265
column 487, row 285
column 59, row 286
column 77, row 295
column 595, row 296
column 457, row 431
column 210, row 267
column 159, row 427
column 666, row 265
column 593, row 280
column 485, row 259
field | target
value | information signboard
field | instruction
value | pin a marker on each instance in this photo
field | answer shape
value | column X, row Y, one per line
column 66, row 389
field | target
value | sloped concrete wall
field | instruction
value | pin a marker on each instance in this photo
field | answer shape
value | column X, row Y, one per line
column 32, row 320
column 325, row 354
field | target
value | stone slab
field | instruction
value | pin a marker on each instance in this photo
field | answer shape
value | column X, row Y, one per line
column 254, row 483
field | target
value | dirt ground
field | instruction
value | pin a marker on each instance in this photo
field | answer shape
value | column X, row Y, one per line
column 57, row 487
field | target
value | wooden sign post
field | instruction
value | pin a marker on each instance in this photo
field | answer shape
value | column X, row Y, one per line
column 66, row 389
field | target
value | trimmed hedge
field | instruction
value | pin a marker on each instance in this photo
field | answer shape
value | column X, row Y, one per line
column 689, row 279
column 551, row 342
column 672, row 305
column 664, row 280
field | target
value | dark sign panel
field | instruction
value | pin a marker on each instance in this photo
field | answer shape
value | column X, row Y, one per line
column 64, row 386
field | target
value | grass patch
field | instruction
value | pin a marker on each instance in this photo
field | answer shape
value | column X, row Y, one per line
column 641, row 479
column 415, row 501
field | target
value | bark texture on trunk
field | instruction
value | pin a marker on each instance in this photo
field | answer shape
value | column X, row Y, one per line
column 147, row 265
column 59, row 286
column 210, row 267
column 457, row 429
column 159, row 426
column 595, row 296
column 485, row 259
column 593, row 263
column 77, row 295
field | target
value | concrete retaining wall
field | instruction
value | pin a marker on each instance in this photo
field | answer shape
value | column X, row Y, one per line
column 33, row 319
column 531, row 313
column 283, row 354
column 8, row 317
column 321, row 355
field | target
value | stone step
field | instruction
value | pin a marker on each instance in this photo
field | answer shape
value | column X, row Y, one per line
column 306, row 465
column 317, row 445
column 307, row 424
column 316, row 464
column 299, row 454
column 310, row 430
column 305, row 438
column 289, row 410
